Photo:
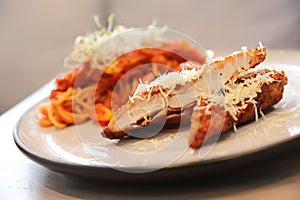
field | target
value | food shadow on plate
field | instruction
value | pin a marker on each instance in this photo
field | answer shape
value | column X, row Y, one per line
column 243, row 176
column 168, row 133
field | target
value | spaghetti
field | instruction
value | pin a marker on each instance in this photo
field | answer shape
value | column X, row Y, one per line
column 90, row 93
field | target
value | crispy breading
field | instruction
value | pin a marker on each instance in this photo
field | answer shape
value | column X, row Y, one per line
column 139, row 113
column 207, row 124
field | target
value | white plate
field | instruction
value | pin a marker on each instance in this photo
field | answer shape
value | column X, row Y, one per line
column 81, row 150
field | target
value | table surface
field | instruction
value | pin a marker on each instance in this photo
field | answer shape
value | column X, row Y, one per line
column 21, row 178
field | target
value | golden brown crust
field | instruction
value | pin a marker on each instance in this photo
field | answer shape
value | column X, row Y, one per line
column 253, row 57
column 256, row 56
column 205, row 125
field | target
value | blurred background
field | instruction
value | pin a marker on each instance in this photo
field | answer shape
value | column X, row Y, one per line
column 35, row 36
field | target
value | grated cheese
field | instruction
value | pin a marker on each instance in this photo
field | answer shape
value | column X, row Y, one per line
column 261, row 48
column 238, row 96
column 234, row 128
column 226, row 92
column 152, row 144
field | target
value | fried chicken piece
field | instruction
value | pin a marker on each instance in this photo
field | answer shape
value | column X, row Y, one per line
column 173, row 106
column 206, row 123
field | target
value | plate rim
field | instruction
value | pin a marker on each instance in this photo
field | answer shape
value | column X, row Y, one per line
column 62, row 166
column 25, row 148
column 210, row 168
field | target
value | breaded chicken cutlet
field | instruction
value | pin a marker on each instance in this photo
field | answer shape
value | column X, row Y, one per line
column 208, row 121
column 227, row 88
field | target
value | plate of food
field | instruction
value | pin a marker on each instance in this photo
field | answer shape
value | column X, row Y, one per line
column 153, row 112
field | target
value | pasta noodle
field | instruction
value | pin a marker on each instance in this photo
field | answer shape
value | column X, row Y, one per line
column 72, row 106
column 83, row 94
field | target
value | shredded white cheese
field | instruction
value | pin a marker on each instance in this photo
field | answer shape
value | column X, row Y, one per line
column 261, row 48
column 165, row 82
column 239, row 95
column 232, row 95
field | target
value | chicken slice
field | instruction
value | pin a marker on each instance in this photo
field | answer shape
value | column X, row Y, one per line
column 207, row 122
column 169, row 98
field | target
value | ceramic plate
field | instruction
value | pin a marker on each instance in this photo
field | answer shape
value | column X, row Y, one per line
column 81, row 150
